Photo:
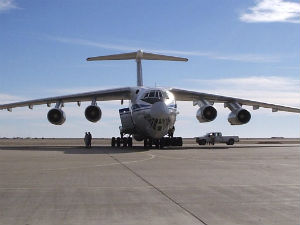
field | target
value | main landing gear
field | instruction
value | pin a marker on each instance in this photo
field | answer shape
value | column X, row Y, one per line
column 121, row 141
column 163, row 142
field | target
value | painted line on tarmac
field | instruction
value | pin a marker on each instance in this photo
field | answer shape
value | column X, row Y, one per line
column 151, row 156
column 109, row 164
column 161, row 192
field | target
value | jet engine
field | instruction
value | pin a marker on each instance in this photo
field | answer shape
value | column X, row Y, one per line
column 56, row 116
column 238, row 115
column 206, row 113
column 93, row 113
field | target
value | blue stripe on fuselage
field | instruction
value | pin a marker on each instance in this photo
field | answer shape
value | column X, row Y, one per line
column 144, row 108
column 140, row 109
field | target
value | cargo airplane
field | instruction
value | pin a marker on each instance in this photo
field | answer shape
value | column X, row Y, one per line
column 151, row 114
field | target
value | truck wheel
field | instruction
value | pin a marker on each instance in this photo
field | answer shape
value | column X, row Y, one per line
column 202, row 142
column 230, row 142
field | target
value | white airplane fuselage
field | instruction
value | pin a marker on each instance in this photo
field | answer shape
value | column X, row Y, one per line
column 153, row 112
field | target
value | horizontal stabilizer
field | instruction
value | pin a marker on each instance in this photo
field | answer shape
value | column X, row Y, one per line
column 137, row 55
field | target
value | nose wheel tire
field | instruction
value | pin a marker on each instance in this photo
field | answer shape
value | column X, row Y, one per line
column 148, row 143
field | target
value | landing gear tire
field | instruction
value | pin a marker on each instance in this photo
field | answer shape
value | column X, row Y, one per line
column 174, row 141
column 129, row 142
column 113, row 142
column 118, row 142
column 180, row 142
column 147, row 143
column 121, row 141
column 156, row 143
column 161, row 143
column 125, row 142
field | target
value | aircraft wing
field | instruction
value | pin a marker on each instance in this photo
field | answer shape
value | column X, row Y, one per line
column 186, row 95
column 103, row 95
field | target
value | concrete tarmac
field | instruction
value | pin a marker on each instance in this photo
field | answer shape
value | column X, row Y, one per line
column 71, row 185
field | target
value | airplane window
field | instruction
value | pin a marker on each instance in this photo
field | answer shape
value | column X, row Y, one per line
column 151, row 95
column 146, row 95
column 159, row 94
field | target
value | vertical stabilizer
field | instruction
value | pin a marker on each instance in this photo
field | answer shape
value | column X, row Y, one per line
column 138, row 56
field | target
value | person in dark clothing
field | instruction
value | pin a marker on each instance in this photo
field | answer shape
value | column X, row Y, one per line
column 89, row 140
column 86, row 139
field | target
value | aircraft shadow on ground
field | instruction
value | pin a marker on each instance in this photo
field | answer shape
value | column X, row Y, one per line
column 75, row 149
column 110, row 150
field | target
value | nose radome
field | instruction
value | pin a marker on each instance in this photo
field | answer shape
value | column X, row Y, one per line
column 159, row 110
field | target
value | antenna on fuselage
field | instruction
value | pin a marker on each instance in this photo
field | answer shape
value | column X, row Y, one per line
column 138, row 56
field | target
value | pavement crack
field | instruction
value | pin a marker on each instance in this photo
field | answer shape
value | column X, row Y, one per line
column 159, row 190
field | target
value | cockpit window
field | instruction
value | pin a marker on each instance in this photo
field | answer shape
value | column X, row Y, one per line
column 152, row 93
column 154, row 96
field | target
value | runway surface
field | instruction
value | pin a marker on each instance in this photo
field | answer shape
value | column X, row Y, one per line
column 242, row 184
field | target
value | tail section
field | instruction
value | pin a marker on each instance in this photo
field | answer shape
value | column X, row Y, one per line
column 138, row 56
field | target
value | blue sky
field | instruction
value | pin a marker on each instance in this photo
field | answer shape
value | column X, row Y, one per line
column 247, row 49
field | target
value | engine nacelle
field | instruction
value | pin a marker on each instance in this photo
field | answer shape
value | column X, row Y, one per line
column 239, row 116
column 56, row 116
column 206, row 113
column 93, row 113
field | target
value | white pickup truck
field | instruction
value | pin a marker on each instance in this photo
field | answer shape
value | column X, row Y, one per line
column 216, row 137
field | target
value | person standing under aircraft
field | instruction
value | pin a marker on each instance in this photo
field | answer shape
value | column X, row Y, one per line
column 212, row 139
column 86, row 139
column 89, row 140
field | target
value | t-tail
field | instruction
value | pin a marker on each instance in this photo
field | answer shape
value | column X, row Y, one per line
column 138, row 56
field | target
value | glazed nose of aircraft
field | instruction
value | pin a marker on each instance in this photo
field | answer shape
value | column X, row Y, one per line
column 159, row 110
